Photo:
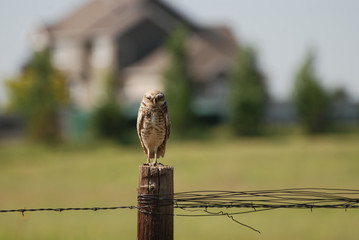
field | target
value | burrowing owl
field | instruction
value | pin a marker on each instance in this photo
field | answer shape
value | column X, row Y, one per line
column 153, row 124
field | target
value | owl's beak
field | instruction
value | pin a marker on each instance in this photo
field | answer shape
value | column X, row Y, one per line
column 154, row 100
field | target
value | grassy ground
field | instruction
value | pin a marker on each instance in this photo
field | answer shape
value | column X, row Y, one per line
column 106, row 175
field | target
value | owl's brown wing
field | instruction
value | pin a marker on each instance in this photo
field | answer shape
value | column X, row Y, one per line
column 168, row 125
column 139, row 128
column 162, row 148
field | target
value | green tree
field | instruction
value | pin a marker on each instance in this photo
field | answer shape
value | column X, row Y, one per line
column 310, row 98
column 109, row 120
column 38, row 94
column 178, row 83
column 248, row 94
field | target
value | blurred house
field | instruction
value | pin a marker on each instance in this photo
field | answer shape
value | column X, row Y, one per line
column 11, row 126
column 127, row 36
column 343, row 109
column 280, row 113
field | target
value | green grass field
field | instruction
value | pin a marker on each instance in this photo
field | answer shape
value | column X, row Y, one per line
column 34, row 176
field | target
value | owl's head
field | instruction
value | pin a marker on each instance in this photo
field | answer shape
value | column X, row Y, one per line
column 154, row 98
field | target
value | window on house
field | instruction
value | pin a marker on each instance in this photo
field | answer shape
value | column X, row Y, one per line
column 66, row 55
column 101, row 55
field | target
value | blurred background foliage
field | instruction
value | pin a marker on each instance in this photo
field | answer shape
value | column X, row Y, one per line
column 310, row 98
column 38, row 94
column 109, row 121
column 248, row 94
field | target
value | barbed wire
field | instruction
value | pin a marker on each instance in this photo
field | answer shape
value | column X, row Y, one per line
column 283, row 198
column 297, row 198
column 199, row 202
column 23, row 210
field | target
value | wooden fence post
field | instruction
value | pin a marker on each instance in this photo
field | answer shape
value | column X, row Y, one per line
column 155, row 212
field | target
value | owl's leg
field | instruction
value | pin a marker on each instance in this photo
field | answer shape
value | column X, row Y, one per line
column 148, row 155
column 155, row 162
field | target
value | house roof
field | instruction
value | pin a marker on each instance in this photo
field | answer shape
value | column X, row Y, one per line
column 98, row 16
column 112, row 17
column 210, row 51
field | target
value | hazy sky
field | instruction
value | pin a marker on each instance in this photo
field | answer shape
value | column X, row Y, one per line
column 281, row 30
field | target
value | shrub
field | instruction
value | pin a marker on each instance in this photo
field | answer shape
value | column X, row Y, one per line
column 248, row 94
column 37, row 95
column 108, row 119
column 310, row 98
